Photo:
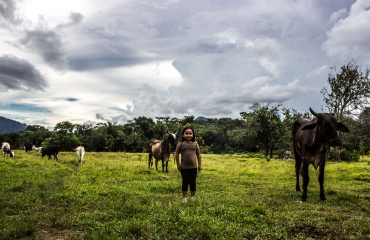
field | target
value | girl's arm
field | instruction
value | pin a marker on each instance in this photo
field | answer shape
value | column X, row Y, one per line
column 177, row 151
column 199, row 157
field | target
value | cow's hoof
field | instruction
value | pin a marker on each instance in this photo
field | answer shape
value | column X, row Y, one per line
column 323, row 200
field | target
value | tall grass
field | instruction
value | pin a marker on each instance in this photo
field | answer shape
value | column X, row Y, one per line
column 116, row 196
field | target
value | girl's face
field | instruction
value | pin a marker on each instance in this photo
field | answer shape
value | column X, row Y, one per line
column 188, row 134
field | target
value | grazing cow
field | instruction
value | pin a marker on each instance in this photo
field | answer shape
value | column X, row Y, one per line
column 286, row 155
column 51, row 150
column 311, row 140
column 80, row 150
column 37, row 149
column 5, row 145
column 28, row 147
column 6, row 150
column 161, row 150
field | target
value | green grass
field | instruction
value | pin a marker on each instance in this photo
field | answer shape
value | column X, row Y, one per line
column 115, row 196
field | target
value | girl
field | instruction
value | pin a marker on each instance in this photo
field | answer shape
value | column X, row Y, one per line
column 190, row 154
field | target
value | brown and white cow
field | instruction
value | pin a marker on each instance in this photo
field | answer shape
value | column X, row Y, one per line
column 311, row 139
column 80, row 150
column 161, row 150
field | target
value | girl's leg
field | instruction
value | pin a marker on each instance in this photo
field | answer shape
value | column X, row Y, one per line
column 192, row 194
column 193, row 182
column 184, row 197
column 185, row 182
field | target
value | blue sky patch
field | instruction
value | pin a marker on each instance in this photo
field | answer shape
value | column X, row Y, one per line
column 25, row 108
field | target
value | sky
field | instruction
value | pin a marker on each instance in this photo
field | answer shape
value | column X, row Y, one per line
column 91, row 61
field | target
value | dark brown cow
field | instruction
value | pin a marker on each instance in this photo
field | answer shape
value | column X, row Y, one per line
column 311, row 140
column 161, row 150
column 51, row 150
column 28, row 147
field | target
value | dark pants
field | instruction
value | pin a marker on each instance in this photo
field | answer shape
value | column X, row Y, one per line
column 189, row 177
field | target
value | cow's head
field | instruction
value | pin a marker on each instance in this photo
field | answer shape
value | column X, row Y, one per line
column 43, row 152
column 172, row 138
column 327, row 127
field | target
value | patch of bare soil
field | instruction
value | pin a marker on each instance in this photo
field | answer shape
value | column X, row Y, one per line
column 57, row 234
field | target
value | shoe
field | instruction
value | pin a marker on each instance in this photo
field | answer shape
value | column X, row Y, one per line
column 193, row 198
column 184, row 200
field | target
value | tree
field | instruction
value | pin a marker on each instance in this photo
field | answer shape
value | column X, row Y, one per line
column 63, row 136
column 349, row 90
column 288, row 118
column 266, row 123
column 147, row 125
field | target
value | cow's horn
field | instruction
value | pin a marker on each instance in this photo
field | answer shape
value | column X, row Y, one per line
column 313, row 112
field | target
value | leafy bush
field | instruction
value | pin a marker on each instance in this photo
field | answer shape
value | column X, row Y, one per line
column 348, row 156
column 345, row 155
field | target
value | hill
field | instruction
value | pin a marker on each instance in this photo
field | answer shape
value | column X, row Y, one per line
column 9, row 126
column 201, row 118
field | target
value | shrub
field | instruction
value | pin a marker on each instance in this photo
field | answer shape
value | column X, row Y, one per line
column 345, row 155
column 348, row 156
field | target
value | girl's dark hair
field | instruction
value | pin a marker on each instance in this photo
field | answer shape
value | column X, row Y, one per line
column 183, row 130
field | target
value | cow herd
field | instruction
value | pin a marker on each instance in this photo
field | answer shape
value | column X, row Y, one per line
column 312, row 138
column 51, row 150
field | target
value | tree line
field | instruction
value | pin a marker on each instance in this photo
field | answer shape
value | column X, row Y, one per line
column 265, row 127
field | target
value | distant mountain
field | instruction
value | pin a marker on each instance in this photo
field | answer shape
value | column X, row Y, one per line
column 9, row 126
column 201, row 118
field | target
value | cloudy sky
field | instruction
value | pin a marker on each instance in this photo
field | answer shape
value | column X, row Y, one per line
column 88, row 60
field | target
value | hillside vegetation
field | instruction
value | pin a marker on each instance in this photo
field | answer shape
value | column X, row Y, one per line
column 116, row 196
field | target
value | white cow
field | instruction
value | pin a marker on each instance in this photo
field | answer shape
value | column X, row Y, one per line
column 6, row 150
column 80, row 150
column 37, row 149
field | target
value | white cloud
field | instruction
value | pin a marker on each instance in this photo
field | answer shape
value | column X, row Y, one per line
column 125, row 59
column 350, row 36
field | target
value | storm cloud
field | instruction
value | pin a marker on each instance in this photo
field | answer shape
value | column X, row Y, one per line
column 125, row 59
column 18, row 74
column 48, row 44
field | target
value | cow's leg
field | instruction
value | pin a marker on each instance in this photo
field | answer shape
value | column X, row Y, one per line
column 150, row 160
column 156, row 164
column 305, row 180
column 298, row 166
column 321, row 179
column 166, row 166
column 162, row 159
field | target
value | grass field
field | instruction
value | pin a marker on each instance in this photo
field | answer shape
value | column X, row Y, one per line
column 116, row 196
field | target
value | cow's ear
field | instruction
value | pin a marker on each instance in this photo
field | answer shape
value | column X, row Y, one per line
column 310, row 126
column 342, row 128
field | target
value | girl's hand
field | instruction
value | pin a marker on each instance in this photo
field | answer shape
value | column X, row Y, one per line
column 199, row 168
column 179, row 168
